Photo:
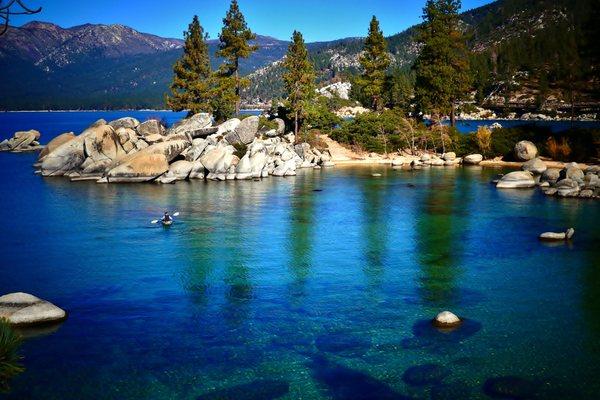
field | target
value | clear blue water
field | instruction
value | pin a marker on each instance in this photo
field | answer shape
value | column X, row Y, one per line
column 314, row 286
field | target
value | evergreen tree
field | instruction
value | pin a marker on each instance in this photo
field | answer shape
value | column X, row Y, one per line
column 191, row 87
column 235, row 37
column 299, row 78
column 442, row 67
column 374, row 61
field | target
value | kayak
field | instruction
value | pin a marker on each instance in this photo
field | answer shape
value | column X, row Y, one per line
column 167, row 223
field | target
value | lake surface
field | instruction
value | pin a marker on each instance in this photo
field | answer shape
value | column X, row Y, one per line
column 316, row 286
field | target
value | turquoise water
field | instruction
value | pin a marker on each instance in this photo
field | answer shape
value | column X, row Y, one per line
column 314, row 286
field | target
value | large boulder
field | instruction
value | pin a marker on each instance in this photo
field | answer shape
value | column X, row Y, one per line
column 147, row 164
column 22, row 309
column 55, row 143
column 450, row 156
column 525, row 150
column 103, row 143
column 126, row 122
column 280, row 126
column 516, row 180
column 181, row 169
column 535, row 166
column 150, row 127
column 70, row 155
column 572, row 171
column 197, row 149
column 245, row 132
column 551, row 175
column 193, row 126
column 228, row 126
column 567, row 188
column 197, row 171
column 473, row 159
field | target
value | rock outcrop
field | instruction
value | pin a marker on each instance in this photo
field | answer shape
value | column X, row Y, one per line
column 22, row 141
column 128, row 151
column 473, row 159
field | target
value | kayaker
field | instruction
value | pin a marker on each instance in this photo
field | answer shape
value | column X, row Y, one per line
column 167, row 217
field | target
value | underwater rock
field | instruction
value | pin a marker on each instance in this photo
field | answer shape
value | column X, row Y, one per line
column 426, row 374
column 510, row 387
column 266, row 389
column 344, row 344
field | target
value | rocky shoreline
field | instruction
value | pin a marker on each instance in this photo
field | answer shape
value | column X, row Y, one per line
column 127, row 151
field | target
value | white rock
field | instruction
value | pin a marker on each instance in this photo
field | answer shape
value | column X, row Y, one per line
column 446, row 319
column 516, row 180
column 25, row 309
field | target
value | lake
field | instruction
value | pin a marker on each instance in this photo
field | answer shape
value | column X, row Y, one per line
column 317, row 286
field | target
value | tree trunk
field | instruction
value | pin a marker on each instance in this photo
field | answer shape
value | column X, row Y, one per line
column 296, row 124
column 452, row 116
column 237, row 88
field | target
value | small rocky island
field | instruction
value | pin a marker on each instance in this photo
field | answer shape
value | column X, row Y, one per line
column 126, row 150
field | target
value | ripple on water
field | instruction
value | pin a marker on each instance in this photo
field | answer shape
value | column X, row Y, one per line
column 451, row 391
column 260, row 389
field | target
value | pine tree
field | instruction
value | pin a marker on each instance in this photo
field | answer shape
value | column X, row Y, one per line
column 374, row 61
column 235, row 37
column 191, row 85
column 299, row 78
column 442, row 67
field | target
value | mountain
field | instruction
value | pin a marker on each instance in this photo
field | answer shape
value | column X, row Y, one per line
column 536, row 54
column 97, row 66
column 527, row 53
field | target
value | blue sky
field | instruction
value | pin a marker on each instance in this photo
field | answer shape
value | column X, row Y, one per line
column 316, row 19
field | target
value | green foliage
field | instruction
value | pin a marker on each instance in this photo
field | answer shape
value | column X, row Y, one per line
column 442, row 69
column 10, row 365
column 377, row 132
column 266, row 124
column 399, row 89
column 234, row 45
column 190, row 89
column 223, row 97
column 240, row 149
column 299, row 78
column 374, row 62
column 318, row 115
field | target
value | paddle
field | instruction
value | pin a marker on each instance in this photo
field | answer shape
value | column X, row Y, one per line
column 157, row 220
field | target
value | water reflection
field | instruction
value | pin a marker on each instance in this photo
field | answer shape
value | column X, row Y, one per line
column 375, row 232
column 301, row 235
column 440, row 232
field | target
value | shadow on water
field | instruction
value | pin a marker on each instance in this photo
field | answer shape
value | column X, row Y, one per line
column 256, row 390
column 343, row 383
column 426, row 336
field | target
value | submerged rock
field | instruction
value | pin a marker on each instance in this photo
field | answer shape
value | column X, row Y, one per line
column 24, row 309
column 510, row 387
column 426, row 374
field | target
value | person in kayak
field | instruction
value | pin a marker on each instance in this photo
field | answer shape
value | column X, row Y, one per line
column 167, row 217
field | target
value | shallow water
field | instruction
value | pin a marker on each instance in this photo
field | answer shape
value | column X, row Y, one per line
column 314, row 286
